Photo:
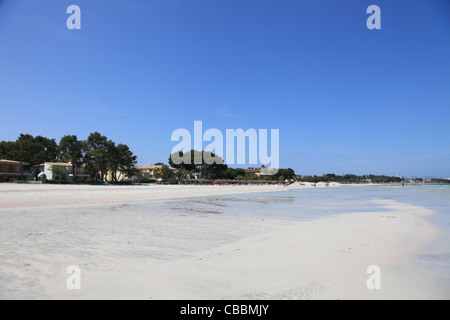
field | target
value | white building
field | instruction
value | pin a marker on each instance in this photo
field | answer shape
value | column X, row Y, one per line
column 148, row 171
column 61, row 170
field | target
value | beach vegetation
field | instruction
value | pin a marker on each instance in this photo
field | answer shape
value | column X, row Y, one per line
column 59, row 173
column 229, row 174
column 166, row 173
column 179, row 175
column 208, row 164
column 30, row 150
column 71, row 150
column 349, row 178
column 103, row 156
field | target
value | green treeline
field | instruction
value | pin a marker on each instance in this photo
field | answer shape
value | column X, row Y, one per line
column 97, row 154
column 212, row 167
column 101, row 158
column 350, row 178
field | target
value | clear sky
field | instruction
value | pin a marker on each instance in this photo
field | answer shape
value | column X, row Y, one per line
column 346, row 99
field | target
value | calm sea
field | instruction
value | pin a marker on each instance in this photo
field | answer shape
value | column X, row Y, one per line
column 310, row 204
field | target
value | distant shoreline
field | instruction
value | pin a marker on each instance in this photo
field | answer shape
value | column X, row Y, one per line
column 38, row 195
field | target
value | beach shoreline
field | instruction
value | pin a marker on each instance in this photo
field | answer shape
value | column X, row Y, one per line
column 125, row 253
column 38, row 195
column 321, row 259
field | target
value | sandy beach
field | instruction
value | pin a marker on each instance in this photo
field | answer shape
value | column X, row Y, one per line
column 32, row 195
column 125, row 251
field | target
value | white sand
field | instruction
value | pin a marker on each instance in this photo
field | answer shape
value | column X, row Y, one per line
column 32, row 195
column 137, row 254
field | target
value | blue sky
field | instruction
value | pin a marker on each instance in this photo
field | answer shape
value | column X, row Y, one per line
column 346, row 99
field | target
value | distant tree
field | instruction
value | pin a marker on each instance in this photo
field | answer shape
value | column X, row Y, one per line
column 179, row 174
column 113, row 159
column 7, row 150
column 159, row 164
column 251, row 176
column 130, row 172
column 59, row 173
column 209, row 164
column 120, row 159
column 46, row 150
column 329, row 177
column 185, row 161
column 71, row 150
column 96, row 155
column 285, row 173
column 157, row 173
column 29, row 149
column 102, row 156
column 166, row 173
column 438, row 180
column 23, row 151
column 229, row 174
column 212, row 166
column 349, row 178
column 127, row 160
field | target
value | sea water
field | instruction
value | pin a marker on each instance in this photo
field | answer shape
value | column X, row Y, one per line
column 317, row 203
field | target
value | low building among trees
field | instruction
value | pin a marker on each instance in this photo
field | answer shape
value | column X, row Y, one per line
column 10, row 169
column 255, row 171
column 156, row 172
column 61, row 171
